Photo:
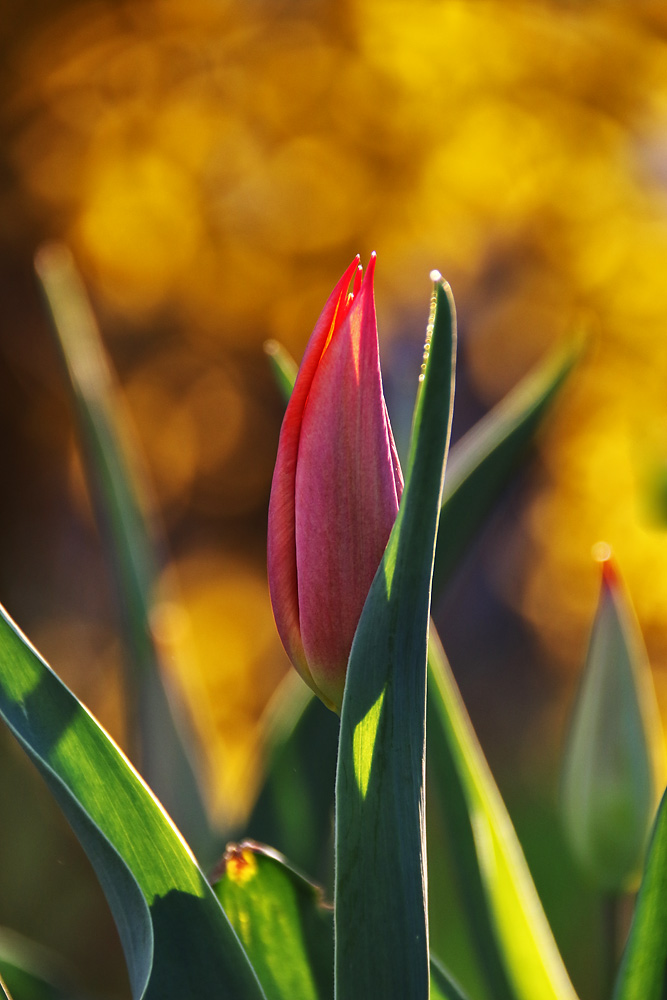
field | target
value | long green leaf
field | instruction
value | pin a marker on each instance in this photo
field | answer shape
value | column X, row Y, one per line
column 443, row 986
column 482, row 463
column 281, row 920
column 283, row 366
column 479, row 467
column 30, row 971
column 286, row 927
column 380, row 881
column 643, row 971
column 516, row 947
column 163, row 740
column 178, row 942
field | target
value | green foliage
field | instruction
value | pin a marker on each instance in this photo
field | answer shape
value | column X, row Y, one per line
column 283, row 365
column 281, row 920
column 643, row 975
column 613, row 768
column 516, row 947
column 479, row 467
column 162, row 742
column 177, row 940
column 443, row 986
column 30, row 972
column 286, row 927
column 380, row 893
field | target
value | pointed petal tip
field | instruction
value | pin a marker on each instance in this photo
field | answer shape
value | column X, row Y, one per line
column 364, row 278
column 358, row 278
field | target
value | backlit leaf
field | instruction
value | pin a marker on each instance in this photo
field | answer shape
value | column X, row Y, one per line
column 178, row 942
column 162, row 739
column 380, row 894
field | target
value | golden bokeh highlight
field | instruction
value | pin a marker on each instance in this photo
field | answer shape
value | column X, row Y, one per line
column 232, row 662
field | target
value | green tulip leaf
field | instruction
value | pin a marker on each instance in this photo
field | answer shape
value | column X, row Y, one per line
column 285, row 926
column 482, row 463
column 516, row 947
column 642, row 973
column 31, row 972
column 478, row 468
column 178, row 943
column 283, row 366
column 21, row 983
column 380, row 883
column 443, row 986
column 613, row 766
column 163, row 739
column 281, row 920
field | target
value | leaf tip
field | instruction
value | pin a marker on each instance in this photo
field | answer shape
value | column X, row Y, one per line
column 602, row 554
column 238, row 864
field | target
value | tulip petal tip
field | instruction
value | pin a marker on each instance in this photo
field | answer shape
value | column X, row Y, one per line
column 336, row 455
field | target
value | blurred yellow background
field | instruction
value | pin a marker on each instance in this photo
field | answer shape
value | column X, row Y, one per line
column 214, row 165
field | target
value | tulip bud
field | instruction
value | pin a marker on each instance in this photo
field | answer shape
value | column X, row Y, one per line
column 614, row 767
column 336, row 487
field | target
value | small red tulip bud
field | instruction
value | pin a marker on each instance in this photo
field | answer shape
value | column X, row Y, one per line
column 336, row 488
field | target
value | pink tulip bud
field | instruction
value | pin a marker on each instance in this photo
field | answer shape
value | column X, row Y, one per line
column 336, row 488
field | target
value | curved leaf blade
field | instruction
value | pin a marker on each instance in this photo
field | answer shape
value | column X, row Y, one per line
column 516, row 946
column 381, row 936
column 177, row 940
column 164, row 747
column 32, row 972
column 281, row 920
column 479, row 467
column 270, row 902
column 642, row 974
column 443, row 986
column 283, row 366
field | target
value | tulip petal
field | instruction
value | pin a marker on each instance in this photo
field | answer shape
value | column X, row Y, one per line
column 281, row 542
column 348, row 484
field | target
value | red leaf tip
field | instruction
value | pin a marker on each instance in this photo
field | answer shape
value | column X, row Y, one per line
column 602, row 554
